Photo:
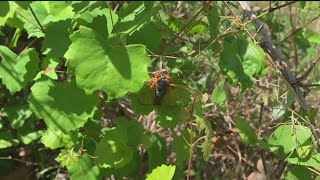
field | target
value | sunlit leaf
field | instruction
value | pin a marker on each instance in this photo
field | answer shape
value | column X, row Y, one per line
column 99, row 66
column 246, row 132
column 162, row 172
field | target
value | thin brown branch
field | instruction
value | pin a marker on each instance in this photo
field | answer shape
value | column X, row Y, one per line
column 19, row 160
column 310, row 69
column 276, row 56
column 298, row 30
column 281, row 6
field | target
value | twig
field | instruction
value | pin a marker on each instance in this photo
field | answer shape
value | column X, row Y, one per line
column 309, row 70
column 19, row 160
column 276, row 56
column 191, row 144
column 298, row 29
column 34, row 15
column 281, row 6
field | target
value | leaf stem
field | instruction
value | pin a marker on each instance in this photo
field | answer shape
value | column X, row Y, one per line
column 34, row 15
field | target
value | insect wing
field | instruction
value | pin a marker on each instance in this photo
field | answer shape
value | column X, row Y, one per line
column 146, row 95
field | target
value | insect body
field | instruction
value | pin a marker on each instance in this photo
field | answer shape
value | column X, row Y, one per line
column 160, row 84
column 162, row 92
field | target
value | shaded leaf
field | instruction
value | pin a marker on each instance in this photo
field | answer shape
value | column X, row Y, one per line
column 245, row 131
column 58, row 104
column 84, row 168
column 56, row 40
column 134, row 15
column 17, row 70
column 297, row 173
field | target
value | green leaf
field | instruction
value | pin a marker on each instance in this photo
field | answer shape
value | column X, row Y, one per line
column 67, row 157
column 30, row 24
column 213, row 20
column 197, row 27
column 7, row 10
column 17, row 115
column 218, row 95
column 113, row 149
column 23, row 4
column 162, row 172
column 151, row 42
column 241, row 60
column 134, row 15
column 29, row 134
column 56, row 40
column 312, row 37
column 7, row 140
column 181, row 148
column 297, row 173
column 303, row 4
column 99, row 66
column 58, row 104
column 312, row 161
column 17, row 70
column 245, row 131
column 49, row 65
column 101, row 20
column 83, row 168
column 288, row 138
column 204, row 124
column 61, row 10
column 54, row 139
column 157, row 152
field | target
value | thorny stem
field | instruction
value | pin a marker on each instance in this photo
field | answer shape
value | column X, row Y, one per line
column 191, row 144
column 34, row 15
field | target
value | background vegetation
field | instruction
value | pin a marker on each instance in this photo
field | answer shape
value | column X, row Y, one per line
column 73, row 75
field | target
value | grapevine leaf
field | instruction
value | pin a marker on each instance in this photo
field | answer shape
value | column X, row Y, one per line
column 241, row 60
column 312, row 161
column 162, row 172
column 288, row 138
column 17, row 115
column 245, row 131
column 101, row 20
column 297, row 172
column 54, row 139
column 157, row 151
column 61, row 10
column 23, row 4
column 17, row 70
column 7, row 10
column 30, row 23
column 97, row 65
column 312, row 37
column 181, row 148
column 218, row 95
column 113, row 149
column 67, row 157
column 197, row 27
column 151, row 42
column 48, row 65
column 7, row 140
column 58, row 104
column 27, row 136
column 56, row 40
column 83, row 168
column 134, row 15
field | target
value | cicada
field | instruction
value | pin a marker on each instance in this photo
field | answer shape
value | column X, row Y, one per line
column 161, row 91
